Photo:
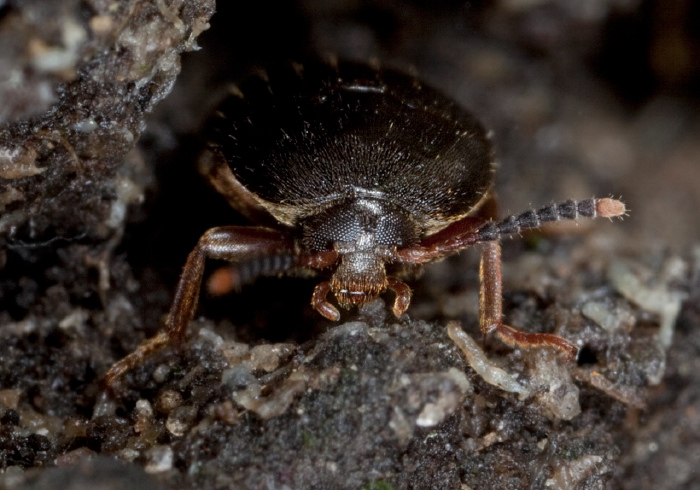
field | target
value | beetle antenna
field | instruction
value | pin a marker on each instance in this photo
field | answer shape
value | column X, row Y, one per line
column 567, row 210
column 233, row 277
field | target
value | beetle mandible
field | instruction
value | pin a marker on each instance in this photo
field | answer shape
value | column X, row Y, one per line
column 348, row 168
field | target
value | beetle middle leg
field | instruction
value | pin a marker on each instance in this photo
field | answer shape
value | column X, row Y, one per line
column 462, row 234
column 491, row 307
column 235, row 244
column 491, row 299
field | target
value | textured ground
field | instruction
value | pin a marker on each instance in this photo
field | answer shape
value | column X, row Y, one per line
column 100, row 203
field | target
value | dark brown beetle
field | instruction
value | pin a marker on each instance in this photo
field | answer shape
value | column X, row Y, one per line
column 350, row 168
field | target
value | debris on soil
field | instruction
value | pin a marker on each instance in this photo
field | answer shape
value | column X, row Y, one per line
column 480, row 363
column 80, row 82
column 659, row 298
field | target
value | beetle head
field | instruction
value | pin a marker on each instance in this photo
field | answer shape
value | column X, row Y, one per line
column 365, row 232
column 360, row 277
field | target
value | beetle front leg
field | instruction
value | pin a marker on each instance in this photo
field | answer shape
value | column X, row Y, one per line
column 457, row 236
column 491, row 308
column 232, row 243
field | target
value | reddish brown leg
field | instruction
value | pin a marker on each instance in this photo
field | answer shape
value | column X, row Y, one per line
column 491, row 313
column 141, row 353
column 231, row 243
column 471, row 230
column 459, row 235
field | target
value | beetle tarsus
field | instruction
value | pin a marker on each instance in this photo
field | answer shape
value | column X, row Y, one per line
column 514, row 338
column 491, row 308
column 144, row 350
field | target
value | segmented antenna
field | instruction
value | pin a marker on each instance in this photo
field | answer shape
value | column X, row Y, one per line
column 233, row 277
column 567, row 210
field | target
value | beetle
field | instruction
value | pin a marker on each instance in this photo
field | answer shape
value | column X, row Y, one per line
column 348, row 169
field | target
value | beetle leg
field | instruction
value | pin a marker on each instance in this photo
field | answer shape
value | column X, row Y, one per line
column 127, row 363
column 457, row 236
column 321, row 304
column 491, row 308
column 403, row 295
column 232, row 243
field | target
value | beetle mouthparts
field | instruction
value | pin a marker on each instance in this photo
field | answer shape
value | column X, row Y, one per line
column 353, row 298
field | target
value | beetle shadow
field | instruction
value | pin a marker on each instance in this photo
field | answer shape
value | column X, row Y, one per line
column 272, row 309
